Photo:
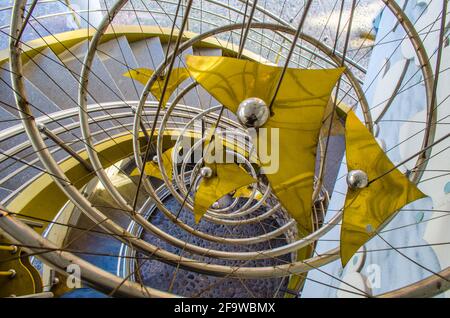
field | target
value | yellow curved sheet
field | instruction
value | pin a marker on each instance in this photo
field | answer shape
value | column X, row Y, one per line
column 142, row 75
column 367, row 209
column 337, row 128
column 246, row 192
column 152, row 169
column 227, row 177
column 297, row 113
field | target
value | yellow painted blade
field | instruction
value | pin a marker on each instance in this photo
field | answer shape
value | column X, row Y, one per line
column 246, row 192
column 227, row 178
column 367, row 209
column 142, row 75
column 298, row 113
column 152, row 169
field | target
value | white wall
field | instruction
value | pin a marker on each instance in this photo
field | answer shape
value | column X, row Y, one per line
column 381, row 271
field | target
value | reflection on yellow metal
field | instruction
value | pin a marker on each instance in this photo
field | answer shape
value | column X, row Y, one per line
column 297, row 116
column 246, row 192
column 142, row 75
column 152, row 169
column 367, row 209
column 219, row 184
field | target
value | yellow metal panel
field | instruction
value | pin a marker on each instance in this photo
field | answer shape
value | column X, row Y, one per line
column 297, row 114
column 226, row 178
column 142, row 75
column 152, row 168
column 246, row 192
column 367, row 209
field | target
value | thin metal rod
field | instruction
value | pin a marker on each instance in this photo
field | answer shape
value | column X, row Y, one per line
column 25, row 21
column 243, row 20
column 412, row 157
column 144, row 130
column 172, row 30
column 63, row 145
column 438, row 63
column 163, row 92
column 291, row 51
column 335, row 102
column 336, row 39
column 32, row 166
column 219, row 117
column 247, row 28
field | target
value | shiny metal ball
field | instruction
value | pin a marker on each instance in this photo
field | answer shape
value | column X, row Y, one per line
column 253, row 112
column 206, row 172
column 155, row 159
column 216, row 205
column 40, row 126
column 357, row 179
column 223, row 202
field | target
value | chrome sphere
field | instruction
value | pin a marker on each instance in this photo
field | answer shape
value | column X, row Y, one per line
column 357, row 179
column 155, row 159
column 206, row 172
column 216, row 205
column 40, row 127
column 223, row 202
column 253, row 112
